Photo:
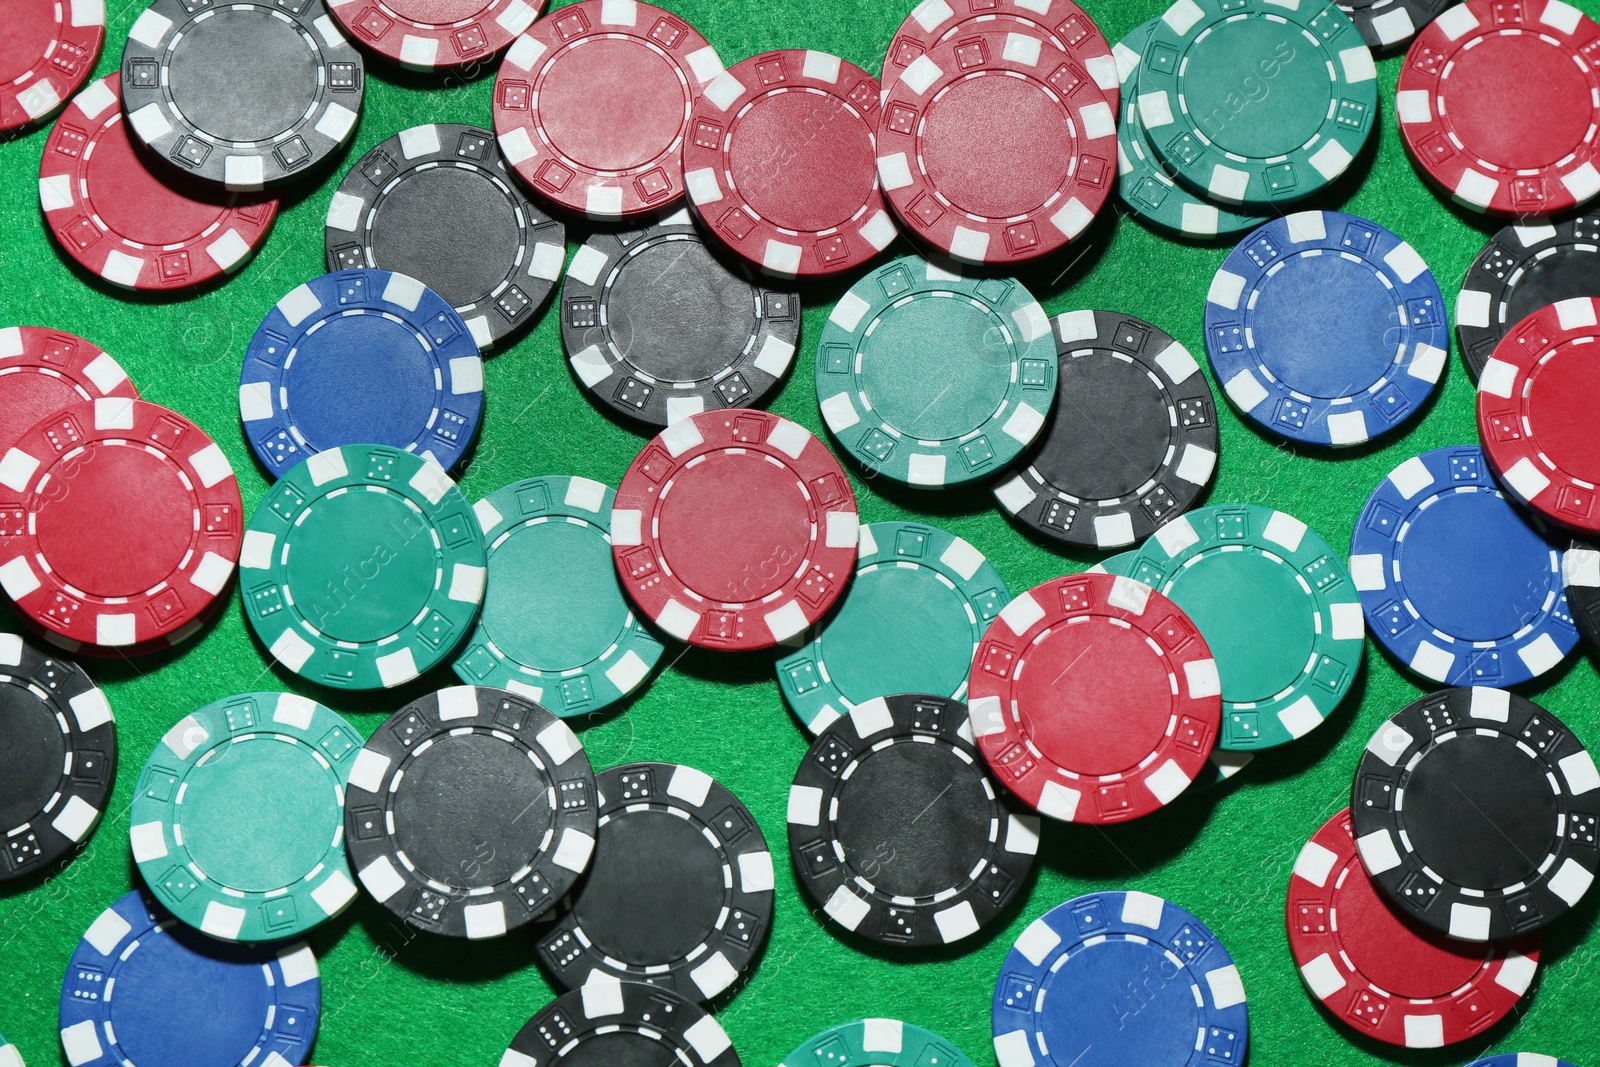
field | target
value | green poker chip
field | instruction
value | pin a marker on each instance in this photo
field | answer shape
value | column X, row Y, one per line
column 237, row 821
column 910, row 622
column 362, row 567
column 877, row 1043
column 1257, row 102
column 555, row 625
column 1143, row 183
column 933, row 378
column 1277, row 607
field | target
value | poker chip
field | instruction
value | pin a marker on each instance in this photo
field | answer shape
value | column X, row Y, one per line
column 1268, row 337
column 1060, row 23
column 613, row 1022
column 734, row 530
column 821, row 212
column 43, row 371
column 1533, row 415
column 658, row 328
column 127, row 525
column 934, row 378
column 549, row 546
column 1324, row 92
column 995, row 148
column 51, row 49
column 1387, row 23
column 592, row 105
column 1144, row 184
column 58, row 745
column 896, row 830
column 1475, row 65
column 680, row 891
column 1133, row 440
column 1580, row 577
column 324, row 529
column 438, row 204
column 1475, row 811
column 876, row 1043
column 143, row 989
column 1105, row 943
column 910, row 622
column 1278, row 610
column 1458, row 584
column 385, row 337
column 133, row 228
column 1382, row 975
column 430, row 833
column 1519, row 1059
column 425, row 35
column 1040, row 700
column 248, row 94
column 237, row 822
column 1522, row 269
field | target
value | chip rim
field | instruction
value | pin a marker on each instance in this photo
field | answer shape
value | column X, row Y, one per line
column 1488, row 297
column 82, row 31
column 407, row 41
column 653, row 1013
column 31, row 348
column 878, row 1043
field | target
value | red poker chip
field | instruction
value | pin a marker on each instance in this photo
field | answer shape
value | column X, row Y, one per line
column 435, row 34
column 43, row 371
column 781, row 164
column 1536, row 412
column 1498, row 104
column 47, row 49
column 1095, row 699
column 119, row 523
column 592, row 106
column 735, row 530
column 997, row 147
column 118, row 219
column 1061, row 22
column 1380, row 974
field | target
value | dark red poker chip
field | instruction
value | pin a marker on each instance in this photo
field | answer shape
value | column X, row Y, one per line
column 735, row 529
column 43, row 371
column 120, row 523
column 997, row 147
column 1536, row 412
column 781, row 164
column 435, row 34
column 592, row 106
column 1382, row 975
column 1095, row 699
column 1498, row 104
column 135, row 229
column 47, row 49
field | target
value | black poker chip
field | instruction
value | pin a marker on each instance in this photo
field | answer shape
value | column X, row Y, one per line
column 58, row 757
column 1523, row 269
column 1476, row 812
column 249, row 93
column 470, row 812
column 1386, row 24
column 680, row 891
column 1580, row 575
column 897, row 830
column 438, row 204
column 1133, row 441
column 657, row 327
column 621, row 1024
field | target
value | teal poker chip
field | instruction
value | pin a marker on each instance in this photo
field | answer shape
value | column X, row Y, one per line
column 237, row 821
column 1276, row 604
column 555, row 625
column 876, row 1043
column 362, row 567
column 910, row 622
column 932, row 378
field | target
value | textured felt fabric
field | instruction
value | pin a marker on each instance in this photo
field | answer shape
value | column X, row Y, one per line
column 392, row 996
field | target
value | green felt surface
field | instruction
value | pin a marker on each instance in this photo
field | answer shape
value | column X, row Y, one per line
column 395, row 997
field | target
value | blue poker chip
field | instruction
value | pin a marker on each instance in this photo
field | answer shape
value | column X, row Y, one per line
column 144, row 989
column 1111, row 979
column 1519, row 1059
column 1458, row 584
column 1326, row 329
column 361, row 357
